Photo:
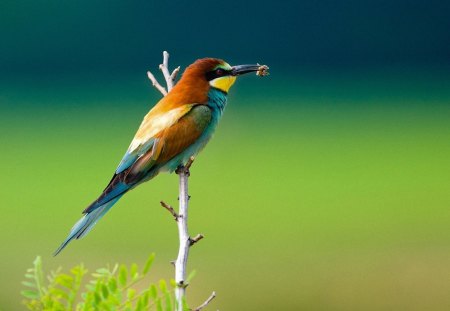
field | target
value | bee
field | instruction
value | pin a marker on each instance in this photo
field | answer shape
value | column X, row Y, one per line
column 263, row 71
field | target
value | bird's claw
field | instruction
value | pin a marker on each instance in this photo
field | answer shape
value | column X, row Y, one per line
column 183, row 170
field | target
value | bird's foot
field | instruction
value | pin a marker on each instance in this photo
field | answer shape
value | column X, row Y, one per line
column 185, row 169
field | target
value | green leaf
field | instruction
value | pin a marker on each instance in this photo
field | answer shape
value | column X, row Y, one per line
column 114, row 300
column 29, row 284
column 149, row 263
column 163, row 286
column 38, row 274
column 102, row 271
column 140, row 305
column 30, row 294
column 123, row 275
column 105, row 291
column 185, row 305
column 168, row 302
column 79, row 270
column 191, row 276
column 97, row 298
column 145, row 298
column 112, row 284
column 57, row 292
column 159, row 305
column 131, row 292
column 99, row 276
column 64, row 280
column 133, row 271
column 114, row 269
column 153, row 291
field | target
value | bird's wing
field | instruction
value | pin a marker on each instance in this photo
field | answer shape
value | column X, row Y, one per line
column 175, row 139
column 154, row 122
column 166, row 144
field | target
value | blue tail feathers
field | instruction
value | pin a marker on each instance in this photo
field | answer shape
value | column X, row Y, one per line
column 86, row 223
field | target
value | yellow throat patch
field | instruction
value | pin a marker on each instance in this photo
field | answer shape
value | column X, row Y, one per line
column 223, row 83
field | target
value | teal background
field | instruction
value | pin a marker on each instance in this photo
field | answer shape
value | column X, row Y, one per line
column 326, row 186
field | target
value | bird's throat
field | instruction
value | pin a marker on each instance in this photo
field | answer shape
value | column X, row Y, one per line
column 223, row 83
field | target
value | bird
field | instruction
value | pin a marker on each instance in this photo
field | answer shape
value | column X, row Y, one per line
column 177, row 128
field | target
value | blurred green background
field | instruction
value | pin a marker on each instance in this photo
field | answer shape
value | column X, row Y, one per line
column 326, row 186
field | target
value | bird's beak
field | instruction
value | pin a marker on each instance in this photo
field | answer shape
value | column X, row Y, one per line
column 243, row 69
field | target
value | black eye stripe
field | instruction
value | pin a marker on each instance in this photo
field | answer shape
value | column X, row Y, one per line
column 216, row 73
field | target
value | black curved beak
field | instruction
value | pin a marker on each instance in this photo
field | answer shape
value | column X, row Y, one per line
column 243, row 69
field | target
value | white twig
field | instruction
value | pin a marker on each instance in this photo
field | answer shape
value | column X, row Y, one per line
column 170, row 209
column 164, row 67
column 170, row 78
column 197, row 238
column 185, row 240
column 213, row 295
column 182, row 216
column 175, row 73
column 156, row 84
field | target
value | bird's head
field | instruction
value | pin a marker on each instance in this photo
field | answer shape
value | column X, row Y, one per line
column 217, row 73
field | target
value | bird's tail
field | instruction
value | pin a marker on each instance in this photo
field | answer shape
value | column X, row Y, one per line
column 87, row 222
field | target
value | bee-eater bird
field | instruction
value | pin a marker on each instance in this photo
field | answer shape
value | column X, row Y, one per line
column 178, row 127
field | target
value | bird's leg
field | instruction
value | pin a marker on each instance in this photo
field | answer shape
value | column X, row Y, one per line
column 185, row 169
column 180, row 170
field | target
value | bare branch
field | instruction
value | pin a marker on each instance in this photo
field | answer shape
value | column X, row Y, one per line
column 189, row 163
column 170, row 78
column 166, row 59
column 213, row 295
column 195, row 239
column 164, row 67
column 170, row 209
column 175, row 73
column 156, row 84
column 183, row 235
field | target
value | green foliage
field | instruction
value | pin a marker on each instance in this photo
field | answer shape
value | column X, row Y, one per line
column 112, row 288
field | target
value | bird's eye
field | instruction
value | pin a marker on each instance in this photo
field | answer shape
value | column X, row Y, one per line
column 216, row 73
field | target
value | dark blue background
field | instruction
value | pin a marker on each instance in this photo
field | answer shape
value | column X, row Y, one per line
column 124, row 36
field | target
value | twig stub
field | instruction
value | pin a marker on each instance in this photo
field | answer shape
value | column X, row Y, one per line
column 195, row 239
column 156, row 84
column 189, row 163
column 175, row 73
column 170, row 209
column 207, row 301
